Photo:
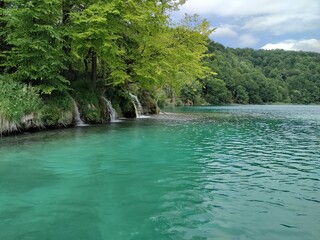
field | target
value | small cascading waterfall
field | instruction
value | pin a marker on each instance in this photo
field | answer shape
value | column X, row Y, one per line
column 112, row 112
column 77, row 116
column 137, row 105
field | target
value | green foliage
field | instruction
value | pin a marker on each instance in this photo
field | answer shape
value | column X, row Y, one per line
column 190, row 94
column 111, row 41
column 294, row 75
column 83, row 48
column 36, row 56
column 215, row 91
column 148, row 102
column 173, row 56
column 90, row 49
column 17, row 101
column 57, row 110
column 95, row 32
column 90, row 105
column 252, row 76
column 3, row 45
column 131, row 42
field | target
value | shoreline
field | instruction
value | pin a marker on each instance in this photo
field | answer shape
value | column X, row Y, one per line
column 23, row 131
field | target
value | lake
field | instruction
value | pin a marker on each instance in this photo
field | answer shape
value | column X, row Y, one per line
column 233, row 172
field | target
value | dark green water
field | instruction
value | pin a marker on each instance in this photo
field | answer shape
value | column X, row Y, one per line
column 242, row 172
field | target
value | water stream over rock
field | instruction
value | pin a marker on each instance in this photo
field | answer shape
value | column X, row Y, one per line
column 137, row 105
column 77, row 115
column 112, row 112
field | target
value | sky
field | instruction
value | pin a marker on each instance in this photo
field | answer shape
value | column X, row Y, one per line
column 266, row 24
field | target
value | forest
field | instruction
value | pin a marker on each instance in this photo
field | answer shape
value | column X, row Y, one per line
column 248, row 76
column 57, row 53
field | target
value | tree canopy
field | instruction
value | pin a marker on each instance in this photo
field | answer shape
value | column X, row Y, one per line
column 261, row 76
column 51, row 44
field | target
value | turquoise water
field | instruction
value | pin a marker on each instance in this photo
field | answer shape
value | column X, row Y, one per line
column 238, row 172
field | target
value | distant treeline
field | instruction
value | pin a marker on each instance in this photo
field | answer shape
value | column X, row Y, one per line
column 258, row 76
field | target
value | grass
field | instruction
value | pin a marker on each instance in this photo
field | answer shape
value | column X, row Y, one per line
column 20, row 106
column 57, row 110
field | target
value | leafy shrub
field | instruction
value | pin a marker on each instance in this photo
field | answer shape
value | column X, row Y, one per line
column 90, row 107
column 20, row 105
column 58, row 110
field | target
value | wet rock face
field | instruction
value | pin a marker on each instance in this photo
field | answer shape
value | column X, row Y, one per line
column 127, row 108
column 149, row 104
column 154, row 109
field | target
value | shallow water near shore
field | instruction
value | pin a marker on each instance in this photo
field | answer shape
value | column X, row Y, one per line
column 233, row 172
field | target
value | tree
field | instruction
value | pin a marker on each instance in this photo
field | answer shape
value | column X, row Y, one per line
column 36, row 57
column 3, row 45
column 95, row 31
column 173, row 56
column 215, row 91
column 132, row 43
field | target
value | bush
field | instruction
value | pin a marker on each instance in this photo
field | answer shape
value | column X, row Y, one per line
column 20, row 105
column 58, row 110
column 89, row 106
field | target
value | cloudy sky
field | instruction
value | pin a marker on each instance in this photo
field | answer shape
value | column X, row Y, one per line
column 267, row 24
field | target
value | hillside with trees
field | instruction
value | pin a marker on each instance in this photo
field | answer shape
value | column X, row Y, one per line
column 298, row 71
column 248, row 76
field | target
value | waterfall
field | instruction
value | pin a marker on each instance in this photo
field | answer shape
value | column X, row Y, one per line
column 112, row 112
column 137, row 105
column 79, row 122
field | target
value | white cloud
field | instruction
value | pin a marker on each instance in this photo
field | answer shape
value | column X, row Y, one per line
column 243, row 8
column 226, row 31
column 310, row 45
column 244, row 23
column 247, row 40
column 276, row 16
column 282, row 24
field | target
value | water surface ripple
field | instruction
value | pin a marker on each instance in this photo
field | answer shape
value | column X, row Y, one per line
column 238, row 172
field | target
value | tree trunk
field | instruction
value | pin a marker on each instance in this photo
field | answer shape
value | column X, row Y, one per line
column 94, row 66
